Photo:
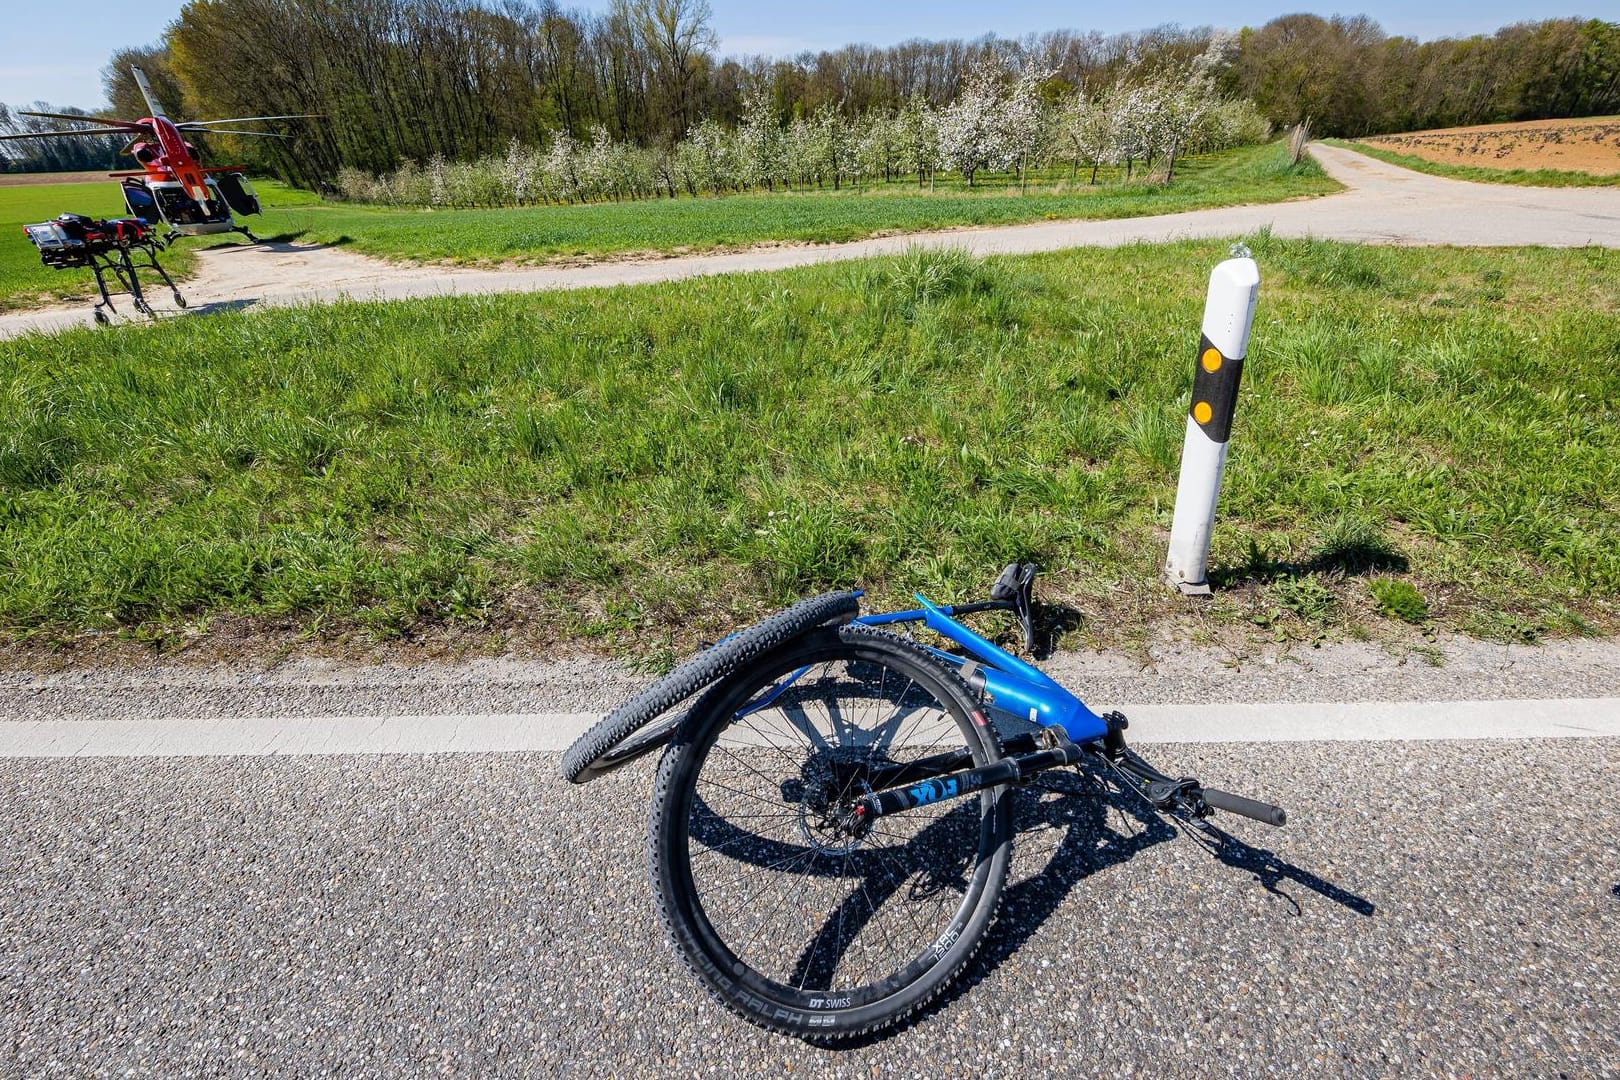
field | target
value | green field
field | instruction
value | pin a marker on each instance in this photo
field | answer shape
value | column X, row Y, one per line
column 1424, row 436
column 25, row 282
column 1519, row 177
column 1249, row 175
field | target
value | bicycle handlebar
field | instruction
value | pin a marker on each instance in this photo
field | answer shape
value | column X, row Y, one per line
column 1249, row 808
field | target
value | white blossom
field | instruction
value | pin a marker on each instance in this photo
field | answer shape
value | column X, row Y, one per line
column 969, row 128
column 993, row 125
column 1023, row 127
column 759, row 142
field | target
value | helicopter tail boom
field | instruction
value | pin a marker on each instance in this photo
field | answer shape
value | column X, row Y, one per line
column 146, row 91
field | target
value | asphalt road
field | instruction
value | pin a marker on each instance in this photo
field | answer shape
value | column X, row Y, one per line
column 1433, row 907
column 1443, row 908
column 1382, row 204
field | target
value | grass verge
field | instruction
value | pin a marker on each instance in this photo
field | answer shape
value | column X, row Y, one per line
column 1480, row 174
column 673, row 226
column 641, row 467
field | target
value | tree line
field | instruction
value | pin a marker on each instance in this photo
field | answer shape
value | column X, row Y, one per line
column 55, row 155
column 996, row 124
column 414, row 80
column 1349, row 78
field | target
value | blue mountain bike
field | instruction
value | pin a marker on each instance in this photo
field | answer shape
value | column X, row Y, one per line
column 832, row 818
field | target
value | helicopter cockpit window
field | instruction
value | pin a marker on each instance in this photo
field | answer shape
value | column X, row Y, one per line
column 178, row 207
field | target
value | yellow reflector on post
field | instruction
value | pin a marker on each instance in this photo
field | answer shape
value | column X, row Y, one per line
column 1212, row 362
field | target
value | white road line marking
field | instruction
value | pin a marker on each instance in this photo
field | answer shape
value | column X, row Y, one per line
column 1378, row 721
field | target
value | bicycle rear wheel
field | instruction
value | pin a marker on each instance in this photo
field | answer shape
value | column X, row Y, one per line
column 624, row 735
column 793, row 921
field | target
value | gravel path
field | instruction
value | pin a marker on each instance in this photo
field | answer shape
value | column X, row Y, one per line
column 1384, row 204
column 1431, row 909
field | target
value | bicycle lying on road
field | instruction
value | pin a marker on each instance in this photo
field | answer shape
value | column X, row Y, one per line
column 832, row 818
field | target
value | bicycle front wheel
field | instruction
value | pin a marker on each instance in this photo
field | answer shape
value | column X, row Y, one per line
column 792, row 918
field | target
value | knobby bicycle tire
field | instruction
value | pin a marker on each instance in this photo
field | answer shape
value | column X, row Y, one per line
column 797, row 926
column 604, row 747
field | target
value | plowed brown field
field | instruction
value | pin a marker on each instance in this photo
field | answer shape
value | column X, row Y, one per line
column 1588, row 145
column 22, row 179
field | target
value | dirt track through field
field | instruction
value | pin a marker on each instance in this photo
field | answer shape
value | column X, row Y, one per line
column 1382, row 204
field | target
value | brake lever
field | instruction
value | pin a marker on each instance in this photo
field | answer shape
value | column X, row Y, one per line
column 1183, row 794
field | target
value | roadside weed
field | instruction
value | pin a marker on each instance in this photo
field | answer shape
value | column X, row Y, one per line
column 1399, row 599
column 1306, row 597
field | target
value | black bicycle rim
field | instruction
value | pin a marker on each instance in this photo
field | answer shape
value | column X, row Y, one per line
column 793, row 924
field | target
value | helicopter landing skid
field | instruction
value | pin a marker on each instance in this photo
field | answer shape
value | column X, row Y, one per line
column 173, row 234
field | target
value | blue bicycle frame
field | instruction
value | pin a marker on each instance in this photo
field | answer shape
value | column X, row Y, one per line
column 1066, row 730
column 1017, row 688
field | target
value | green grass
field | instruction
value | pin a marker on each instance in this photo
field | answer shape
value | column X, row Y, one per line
column 1521, row 177
column 1249, row 175
column 643, row 466
column 25, row 282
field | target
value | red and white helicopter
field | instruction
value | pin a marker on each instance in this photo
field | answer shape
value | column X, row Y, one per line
column 173, row 188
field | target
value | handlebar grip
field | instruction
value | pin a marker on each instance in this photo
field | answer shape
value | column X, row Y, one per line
column 1249, row 808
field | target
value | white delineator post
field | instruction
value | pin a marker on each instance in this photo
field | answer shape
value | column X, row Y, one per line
column 1228, row 314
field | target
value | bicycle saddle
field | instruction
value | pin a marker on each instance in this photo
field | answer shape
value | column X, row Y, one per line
column 1016, row 586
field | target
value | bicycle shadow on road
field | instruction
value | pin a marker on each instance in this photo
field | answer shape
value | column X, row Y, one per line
column 1085, row 812
column 1271, row 870
column 1068, row 827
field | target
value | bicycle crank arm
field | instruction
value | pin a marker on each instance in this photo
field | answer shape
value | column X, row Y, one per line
column 1009, row 770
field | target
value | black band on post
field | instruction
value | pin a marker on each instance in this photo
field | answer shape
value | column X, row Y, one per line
column 1215, row 390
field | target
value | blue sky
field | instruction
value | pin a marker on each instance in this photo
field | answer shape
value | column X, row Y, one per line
column 56, row 51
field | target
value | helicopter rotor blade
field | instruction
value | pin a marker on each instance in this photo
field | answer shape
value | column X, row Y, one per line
column 236, row 131
column 246, row 119
column 57, row 134
column 128, row 125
